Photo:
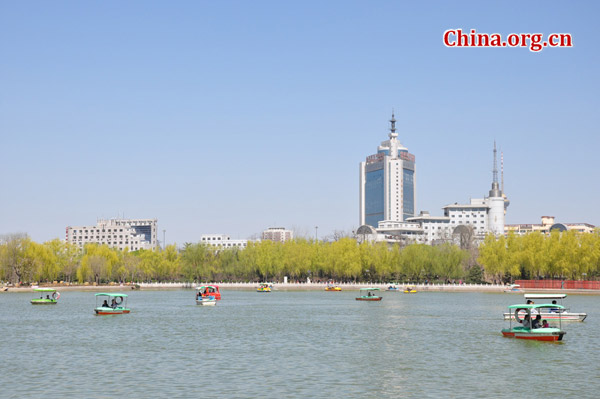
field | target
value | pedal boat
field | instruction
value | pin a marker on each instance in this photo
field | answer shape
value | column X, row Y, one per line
column 208, row 290
column 332, row 288
column 264, row 287
column 551, row 334
column 410, row 290
column 51, row 296
column 206, row 300
column 369, row 294
column 552, row 313
column 514, row 289
column 393, row 288
column 119, row 306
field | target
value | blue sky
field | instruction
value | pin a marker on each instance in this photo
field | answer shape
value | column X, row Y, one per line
column 234, row 116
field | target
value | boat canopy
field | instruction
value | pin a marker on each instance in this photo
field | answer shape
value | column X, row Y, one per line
column 370, row 289
column 535, row 306
column 45, row 289
column 112, row 295
column 545, row 296
column 208, row 286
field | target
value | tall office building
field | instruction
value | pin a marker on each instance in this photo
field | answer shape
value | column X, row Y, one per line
column 387, row 183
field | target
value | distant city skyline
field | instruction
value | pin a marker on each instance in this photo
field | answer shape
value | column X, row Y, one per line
column 222, row 117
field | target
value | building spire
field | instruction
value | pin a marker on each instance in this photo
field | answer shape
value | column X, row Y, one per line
column 495, row 170
column 495, row 191
column 393, row 138
column 501, row 171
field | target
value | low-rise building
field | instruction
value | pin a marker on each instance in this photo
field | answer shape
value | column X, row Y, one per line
column 134, row 234
column 223, row 241
column 279, row 234
column 548, row 224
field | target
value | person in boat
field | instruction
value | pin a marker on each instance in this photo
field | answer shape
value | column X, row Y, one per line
column 526, row 321
column 533, row 311
column 47, row 296
column 554, row 310
column 105, row 304
column 536, row 322
column 545, row 324
column 370, row 293
column 113, row 303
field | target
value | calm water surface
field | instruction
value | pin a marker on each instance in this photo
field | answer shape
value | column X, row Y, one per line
column 289, row 345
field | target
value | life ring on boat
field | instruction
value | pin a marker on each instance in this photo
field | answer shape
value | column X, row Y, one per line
column 517, row 315
column 55, row 295
column 119, row 300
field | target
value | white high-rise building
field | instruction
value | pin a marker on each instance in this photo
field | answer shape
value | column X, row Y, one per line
column 134, row 234
column 387, row 183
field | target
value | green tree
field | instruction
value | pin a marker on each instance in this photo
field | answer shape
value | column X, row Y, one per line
column 15, row 258
column 195, row 262
column 493, row 256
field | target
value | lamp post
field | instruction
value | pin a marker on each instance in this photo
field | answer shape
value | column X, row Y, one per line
column 164, row 242
column 316, row 235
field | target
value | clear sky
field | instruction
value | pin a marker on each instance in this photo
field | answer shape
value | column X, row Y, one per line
column 234, row 116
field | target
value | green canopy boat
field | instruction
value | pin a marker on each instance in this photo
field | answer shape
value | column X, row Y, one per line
column 536, row 329
column 369, row 294
column 51, row 296
column 117, row 305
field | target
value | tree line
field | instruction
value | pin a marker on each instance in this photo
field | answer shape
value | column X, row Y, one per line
column 23, row 260
column 558, row 255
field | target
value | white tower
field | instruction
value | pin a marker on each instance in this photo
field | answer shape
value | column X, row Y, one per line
column 496, row 203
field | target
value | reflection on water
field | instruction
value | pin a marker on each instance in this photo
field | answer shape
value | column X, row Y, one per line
column 288, row 344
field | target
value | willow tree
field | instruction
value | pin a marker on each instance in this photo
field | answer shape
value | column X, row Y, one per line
column 416, row 261
column 195, row 262
column 569, row 261
column 589, row 252
column 344, row 257
column 62, row 260
column 297, row 258
column 97, row 262
column 265, row 259
column 535, row 254
column 493, row 256
column 449, row 261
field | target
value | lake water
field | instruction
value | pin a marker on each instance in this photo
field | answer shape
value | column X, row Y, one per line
column 290, row 345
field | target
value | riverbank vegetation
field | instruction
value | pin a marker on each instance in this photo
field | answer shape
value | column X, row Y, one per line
column 566, row 255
